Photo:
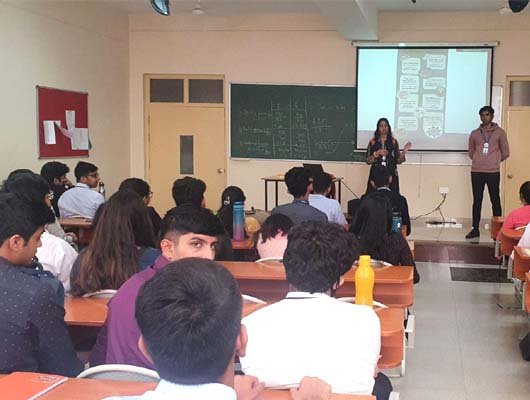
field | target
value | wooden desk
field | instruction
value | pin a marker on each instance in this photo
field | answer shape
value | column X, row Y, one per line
column 281, row 178
column 96, row 389
column 393, row 285
column 82, row 311
column 392, row 331
column 496, row 225
column 82, row 227
column 521, row 262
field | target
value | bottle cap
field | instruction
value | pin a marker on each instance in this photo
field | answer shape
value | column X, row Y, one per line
column 364, row 258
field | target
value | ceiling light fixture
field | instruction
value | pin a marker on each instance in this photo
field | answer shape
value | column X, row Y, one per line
column 161, row 6
column 198, row 10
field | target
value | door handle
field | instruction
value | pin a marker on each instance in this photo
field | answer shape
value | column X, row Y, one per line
column 220, row 170
column 510, row 176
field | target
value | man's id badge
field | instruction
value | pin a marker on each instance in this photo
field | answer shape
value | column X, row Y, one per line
column 485, row 149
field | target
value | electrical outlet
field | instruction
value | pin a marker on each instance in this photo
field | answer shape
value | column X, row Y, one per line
column 443, row 189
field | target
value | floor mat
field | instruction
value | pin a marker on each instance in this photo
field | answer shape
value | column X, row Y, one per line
column 478, row 275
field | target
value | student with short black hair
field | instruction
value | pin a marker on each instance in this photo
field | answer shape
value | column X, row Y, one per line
column 55, row 255
column 322, row 184
column 271, row 239
column 186, row 232
column 189, row 191
column 299, row 185
column 144, row 190
column 311, row 332
column 189, row 315
column 81, row 200
column 33, row 334
column 54, row 172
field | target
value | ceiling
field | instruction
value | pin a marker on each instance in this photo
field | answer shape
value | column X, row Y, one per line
column 354, row 19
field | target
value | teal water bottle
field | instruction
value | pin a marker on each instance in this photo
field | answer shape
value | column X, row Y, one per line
column 238, row 221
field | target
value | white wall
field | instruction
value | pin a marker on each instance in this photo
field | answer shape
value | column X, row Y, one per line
column 304, row 49
column 77, row 47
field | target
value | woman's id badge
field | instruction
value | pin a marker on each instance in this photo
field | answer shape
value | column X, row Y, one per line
column 485, row 148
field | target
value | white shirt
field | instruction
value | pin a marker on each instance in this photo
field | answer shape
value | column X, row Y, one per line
column 313, row 335
column 525, row 239
column 330, row 207
column 57, row 256
column 80, row 201
column 172, row 391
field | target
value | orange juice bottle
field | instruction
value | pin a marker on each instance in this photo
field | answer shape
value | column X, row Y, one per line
column 364, row 282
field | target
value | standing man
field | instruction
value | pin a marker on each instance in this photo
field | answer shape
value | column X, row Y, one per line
column 488, row 147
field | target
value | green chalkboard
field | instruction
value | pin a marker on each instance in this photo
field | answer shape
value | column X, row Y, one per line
column 292, row 122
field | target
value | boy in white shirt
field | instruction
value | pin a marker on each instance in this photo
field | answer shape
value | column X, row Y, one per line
column 189, row 316
column 310, row 332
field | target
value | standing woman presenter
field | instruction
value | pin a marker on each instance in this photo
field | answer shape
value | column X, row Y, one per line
column 383, row 149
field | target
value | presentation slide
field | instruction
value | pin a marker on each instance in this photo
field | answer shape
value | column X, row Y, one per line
column 431, row 96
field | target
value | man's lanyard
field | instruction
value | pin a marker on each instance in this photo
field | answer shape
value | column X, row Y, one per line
column 484, row 139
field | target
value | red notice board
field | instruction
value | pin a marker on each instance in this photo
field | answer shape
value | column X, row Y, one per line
column 51, row 106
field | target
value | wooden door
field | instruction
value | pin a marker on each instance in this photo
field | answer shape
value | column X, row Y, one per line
column 517, row 117
column 185, row 138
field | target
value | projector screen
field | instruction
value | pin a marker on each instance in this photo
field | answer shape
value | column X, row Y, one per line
column 431, row 96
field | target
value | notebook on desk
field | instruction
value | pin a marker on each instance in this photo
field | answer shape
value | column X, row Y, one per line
column 28, row 385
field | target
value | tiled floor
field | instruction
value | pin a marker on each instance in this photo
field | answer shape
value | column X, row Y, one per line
column 420, row 231
column 466, row 346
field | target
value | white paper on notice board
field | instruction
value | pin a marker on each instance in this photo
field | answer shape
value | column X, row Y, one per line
column 70, row 119
column 80, row 139
column 49, row 131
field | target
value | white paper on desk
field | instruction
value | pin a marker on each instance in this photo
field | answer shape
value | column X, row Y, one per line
column 70, row 120
column 65, row 132
column 49, row 132
column 80, row 139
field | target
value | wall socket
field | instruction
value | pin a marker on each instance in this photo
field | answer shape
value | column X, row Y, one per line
column 443, row 189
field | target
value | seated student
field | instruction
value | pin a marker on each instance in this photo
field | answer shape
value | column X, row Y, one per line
column 81, row 200
column 186, row 232
column 272, row 237
column 123, row 244
column 33, row 334
column 299, row 186
column 381, row 182
column 310, row 332
column 189, row 191
column 54, row 172
column 520, row 216
column 372, row 229
column 55, row 254
column 231, row 195
column 321, row 187
column 189, row 315
column 144, row 190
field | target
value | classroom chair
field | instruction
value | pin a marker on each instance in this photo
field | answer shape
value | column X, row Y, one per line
column 102, row 294
column 506, row 247
column 120, row 372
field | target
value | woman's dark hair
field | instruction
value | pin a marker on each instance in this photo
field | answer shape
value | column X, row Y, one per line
column 231, row 195
column 273, row 225
column 136, row 185
column 524, row 192
column 112, row 256
column 377, row 134
column 373, row 223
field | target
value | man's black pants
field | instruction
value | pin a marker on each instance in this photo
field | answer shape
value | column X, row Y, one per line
column 492, row 180
column 382, row 387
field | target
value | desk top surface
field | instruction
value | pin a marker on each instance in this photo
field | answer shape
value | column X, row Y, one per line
column 96, row 389
column 275, row 271
column 75, row 222
column 281, row 178
column 512, row 233
column 82, row 311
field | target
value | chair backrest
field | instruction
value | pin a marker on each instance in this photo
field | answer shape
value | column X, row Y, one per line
column 507, row 244
column 102, row 294
column 120, row 372
column 265, row 259
column 252, row 299
column 352, row 300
